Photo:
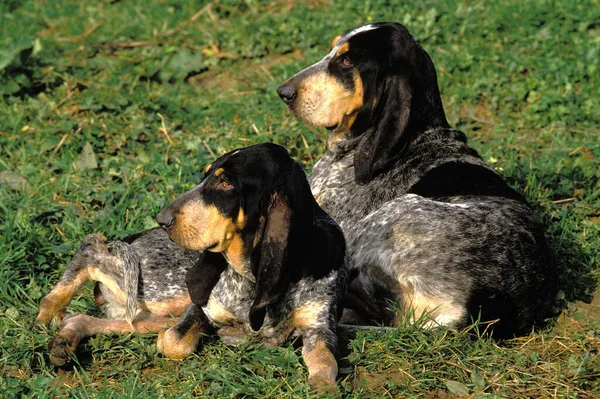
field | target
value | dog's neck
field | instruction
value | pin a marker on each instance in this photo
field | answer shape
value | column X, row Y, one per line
column 238, row 259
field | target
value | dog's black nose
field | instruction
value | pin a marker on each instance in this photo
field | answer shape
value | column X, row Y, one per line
column 165, row 218
column 287, row 93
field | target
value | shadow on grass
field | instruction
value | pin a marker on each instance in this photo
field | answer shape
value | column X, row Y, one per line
column 574, row 251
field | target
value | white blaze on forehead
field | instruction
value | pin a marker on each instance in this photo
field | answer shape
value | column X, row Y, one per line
column 347, row 37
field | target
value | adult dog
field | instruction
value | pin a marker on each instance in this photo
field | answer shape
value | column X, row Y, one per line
column 428, row 224
column 262, row 259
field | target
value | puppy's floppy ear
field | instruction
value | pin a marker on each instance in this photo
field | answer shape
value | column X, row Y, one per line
column 383, row 142
column 204, row 275
column 269, row 268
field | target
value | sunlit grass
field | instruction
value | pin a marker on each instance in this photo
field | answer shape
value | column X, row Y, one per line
column 157, row 89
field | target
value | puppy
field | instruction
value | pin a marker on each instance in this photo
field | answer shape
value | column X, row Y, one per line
column 264, row 261
column 281, row 258
column 428, row 224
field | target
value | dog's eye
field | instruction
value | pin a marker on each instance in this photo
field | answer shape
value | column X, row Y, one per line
column 346, row 63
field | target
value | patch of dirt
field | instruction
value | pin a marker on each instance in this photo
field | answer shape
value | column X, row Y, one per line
column 439, row 394
column 480, row 118
column 582, row 317
column 244, row 74
column 280, row 7
column 376, row 381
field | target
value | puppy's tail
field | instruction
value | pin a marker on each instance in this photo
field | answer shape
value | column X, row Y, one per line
column 131, row 274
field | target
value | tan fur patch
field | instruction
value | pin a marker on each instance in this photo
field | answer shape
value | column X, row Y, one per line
column 321, row 364
column 98, row 275
column 169, row 307
column 344, row 48
column 198, row 226
column 235, row 255
column 176, row 347
column 434, row 311
column 334, row 41
column 324, row 102
column 219, row 172
column 148, row 324
column 216, row 311
column 241, row 219
column 307, row 315
column 357, row 99
column 52, row 305
column 355, row 102
column 207, row 168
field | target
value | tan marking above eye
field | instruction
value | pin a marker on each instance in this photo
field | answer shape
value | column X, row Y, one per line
column 219, row 172
column 334, row 41
column 207, row 168
column 344, row 48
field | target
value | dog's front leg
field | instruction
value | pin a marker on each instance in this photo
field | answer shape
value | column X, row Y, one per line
column 181, row 340
column 318, row 351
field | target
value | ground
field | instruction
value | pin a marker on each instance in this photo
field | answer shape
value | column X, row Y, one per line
column 109, row 109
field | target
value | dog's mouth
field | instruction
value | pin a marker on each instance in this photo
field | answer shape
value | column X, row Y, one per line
column 332, row 127
column 212, row 246
column 187, row 245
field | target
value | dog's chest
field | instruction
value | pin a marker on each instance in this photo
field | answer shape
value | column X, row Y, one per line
column 229, row 306
column 333, row 186
column 329, row 182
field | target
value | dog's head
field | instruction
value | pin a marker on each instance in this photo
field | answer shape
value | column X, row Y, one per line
column 249, row 206
column 374, row 90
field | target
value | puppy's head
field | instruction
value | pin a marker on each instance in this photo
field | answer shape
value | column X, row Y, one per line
column 248, row 206
column 374, row 90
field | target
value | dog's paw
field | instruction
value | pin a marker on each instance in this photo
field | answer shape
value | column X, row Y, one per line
column 176, row 346
column 60, row 350
column 324, row 383
column 48, row 314
column 43, row 319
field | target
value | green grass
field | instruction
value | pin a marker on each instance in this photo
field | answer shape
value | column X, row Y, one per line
column 109, row 109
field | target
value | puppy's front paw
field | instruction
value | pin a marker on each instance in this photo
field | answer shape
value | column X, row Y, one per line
column 323, row 383
column 177, row 346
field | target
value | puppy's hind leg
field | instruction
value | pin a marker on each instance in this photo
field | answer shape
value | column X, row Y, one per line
column 77, row 327
column 95, row 261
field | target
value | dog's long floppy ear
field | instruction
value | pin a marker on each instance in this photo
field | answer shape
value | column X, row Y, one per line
column 408, row 100
column 204, row 275
column 269, row 268
column 383, row 142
